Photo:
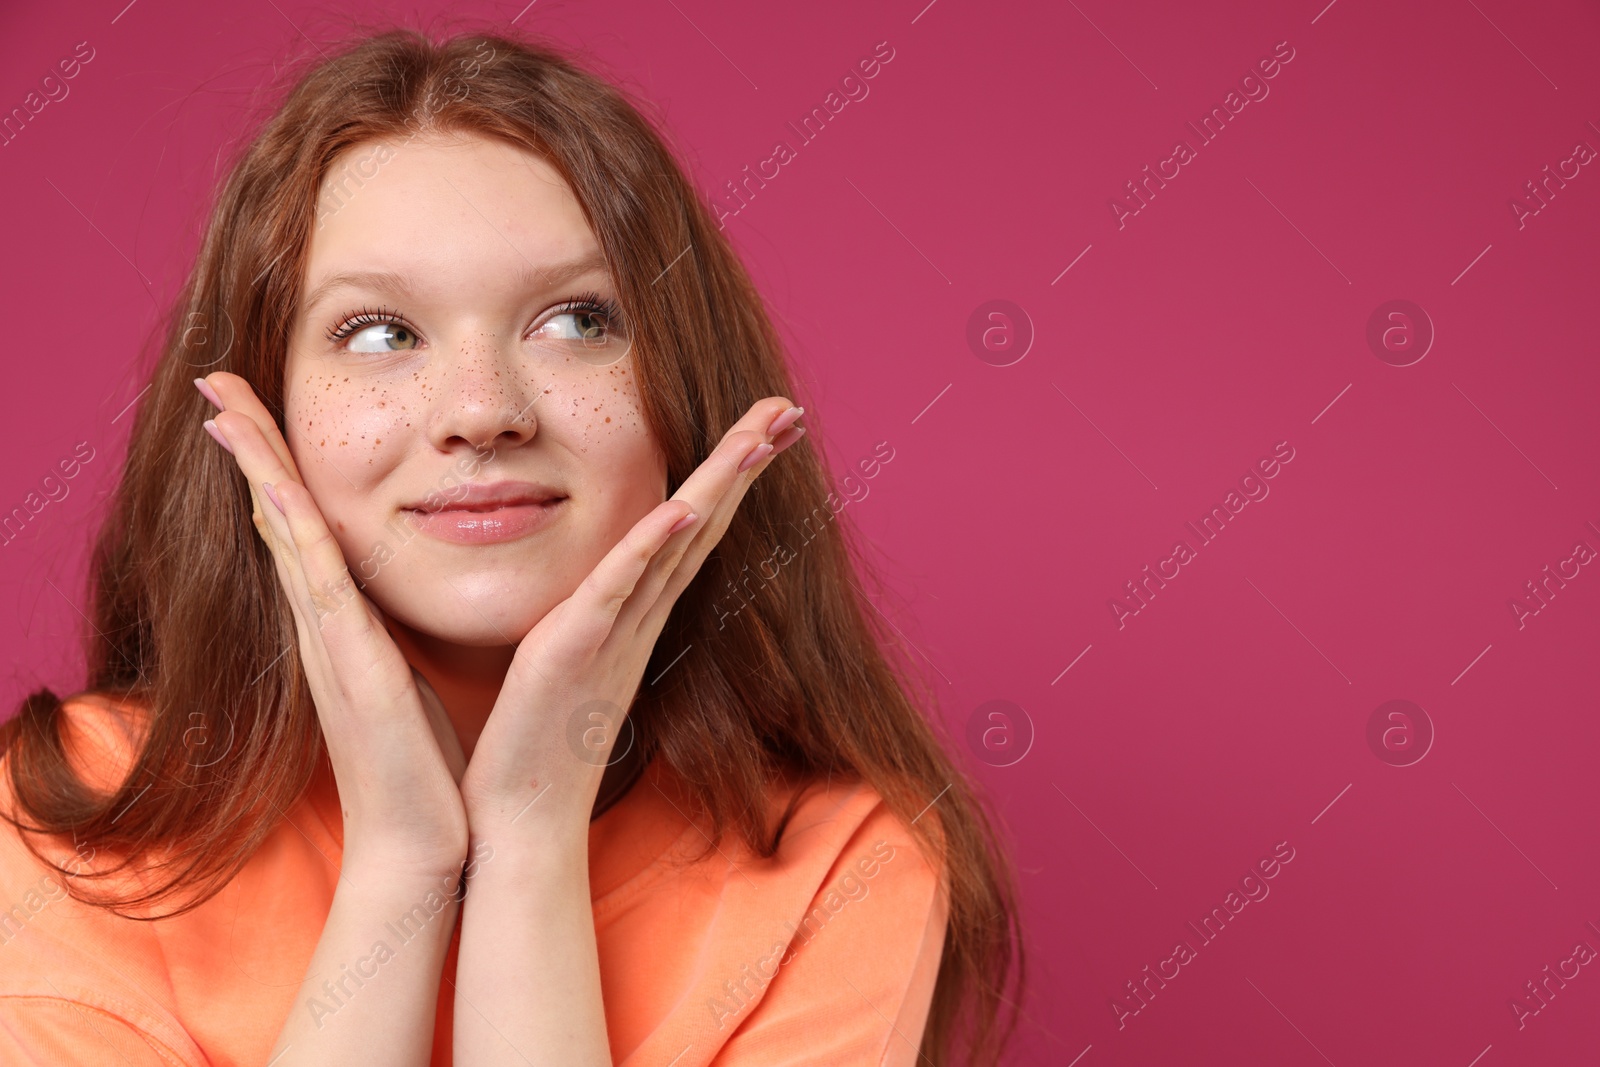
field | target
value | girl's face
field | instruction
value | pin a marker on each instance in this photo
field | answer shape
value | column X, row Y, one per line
column 459, row 396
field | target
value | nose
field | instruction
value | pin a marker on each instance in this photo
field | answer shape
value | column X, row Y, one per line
column 482, row 396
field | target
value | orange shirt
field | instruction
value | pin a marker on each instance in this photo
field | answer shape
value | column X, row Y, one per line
column 825, row 953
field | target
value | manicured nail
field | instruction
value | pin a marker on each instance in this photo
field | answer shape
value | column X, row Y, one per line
column 211, row 428
column 784, row 420
column 790, row 437
column 266, row 487
column 756, row 456
column 209, row 393
column 683, row 522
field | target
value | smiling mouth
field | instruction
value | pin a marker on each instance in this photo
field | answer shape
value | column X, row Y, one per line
column 488, row 523
column 485, row 508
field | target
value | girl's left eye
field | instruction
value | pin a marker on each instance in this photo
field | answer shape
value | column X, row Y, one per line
column 590, row 328
column 585, row 324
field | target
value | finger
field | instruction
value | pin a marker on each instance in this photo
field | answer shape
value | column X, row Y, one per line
column 358, row 677
column 237, row 395
column 330, row 592
column 785, row 439
column 315, row 575
column 600, row 599
column 260, row 462
column 277, row 530
column 587, row 617
column 675, row 567
column 714, row 488
column 347, row 648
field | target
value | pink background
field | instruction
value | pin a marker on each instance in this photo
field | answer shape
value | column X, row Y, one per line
column 1231, row 713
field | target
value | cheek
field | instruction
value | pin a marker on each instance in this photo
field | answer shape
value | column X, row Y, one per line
column 346, row 423
column 599, row 418
column 602, row 409
column 346, row 435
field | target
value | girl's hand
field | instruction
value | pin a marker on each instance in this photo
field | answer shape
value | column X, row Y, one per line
column 395, row 755
column 577, row 672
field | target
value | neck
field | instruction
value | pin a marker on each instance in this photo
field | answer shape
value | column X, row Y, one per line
column 468, row 679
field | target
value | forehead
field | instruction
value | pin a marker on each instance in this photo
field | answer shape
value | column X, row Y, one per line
column 444, row 203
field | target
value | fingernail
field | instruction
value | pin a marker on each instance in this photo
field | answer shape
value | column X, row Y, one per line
column 211, row 428
column 683, row 522
column 784, row 420
column 756, row 456
column 209, row 393
column 788, row 439
column 266, row 487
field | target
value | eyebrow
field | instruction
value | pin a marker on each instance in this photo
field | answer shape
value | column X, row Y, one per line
column 527, row 277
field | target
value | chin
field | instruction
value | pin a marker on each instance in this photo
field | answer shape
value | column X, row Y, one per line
column 475, row 632
column 445, row 615
column 483, row 637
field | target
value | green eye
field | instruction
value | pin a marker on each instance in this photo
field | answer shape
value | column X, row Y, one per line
column 588, row 327
column 374, row 330
column 384, row 337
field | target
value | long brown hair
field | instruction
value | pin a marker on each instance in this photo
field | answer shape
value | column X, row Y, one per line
column 189, row 620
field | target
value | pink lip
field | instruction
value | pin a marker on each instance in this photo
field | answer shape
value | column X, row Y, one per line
column 488, row 514
column 486, row 497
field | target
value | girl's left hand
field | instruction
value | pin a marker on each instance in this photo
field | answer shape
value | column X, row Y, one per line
column 589, row 653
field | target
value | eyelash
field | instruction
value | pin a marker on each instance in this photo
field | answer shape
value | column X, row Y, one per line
column 357, row 321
